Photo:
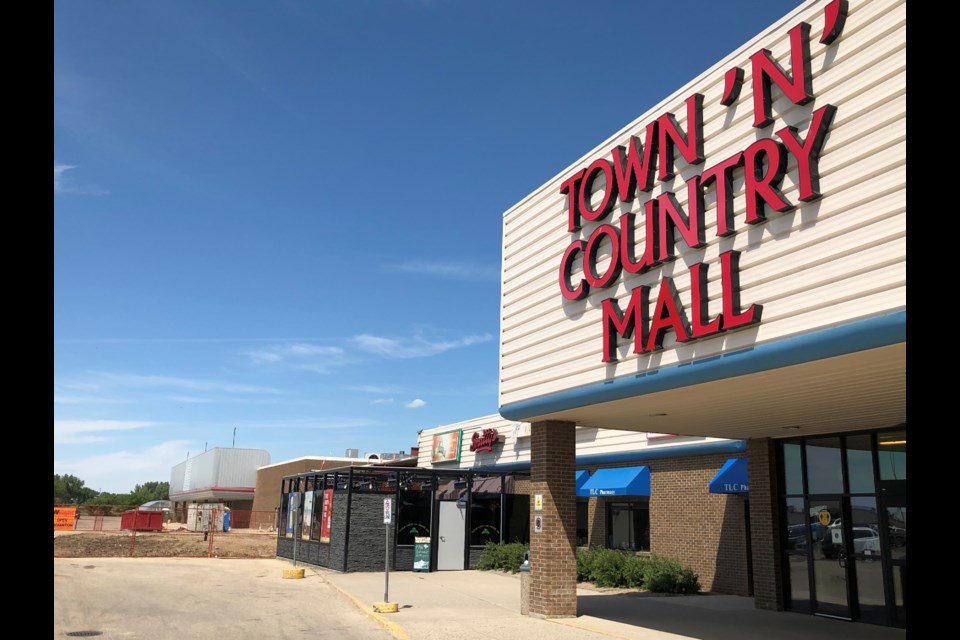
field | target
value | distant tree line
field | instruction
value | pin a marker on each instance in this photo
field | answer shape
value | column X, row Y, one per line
column 68, row 489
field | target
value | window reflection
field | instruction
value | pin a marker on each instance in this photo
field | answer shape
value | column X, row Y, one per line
column 824, row 469
column 792, row 468
column 860, row 464
column 892, row 447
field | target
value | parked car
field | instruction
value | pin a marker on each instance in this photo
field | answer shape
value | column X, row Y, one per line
column 865, row 542
column 157, row 505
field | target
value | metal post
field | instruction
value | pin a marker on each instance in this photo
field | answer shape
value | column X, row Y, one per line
column 386, row 565
column 295, row 537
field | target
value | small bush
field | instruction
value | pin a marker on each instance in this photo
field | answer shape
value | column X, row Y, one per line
column 585, row 559
column 633, row 571
column 502, row 557
column 612, row 568
column 607, row 568
column 666, row 575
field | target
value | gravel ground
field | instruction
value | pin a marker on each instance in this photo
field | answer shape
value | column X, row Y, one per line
column 176, row 543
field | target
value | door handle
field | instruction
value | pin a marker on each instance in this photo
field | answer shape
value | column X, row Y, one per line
column 842, row 559
column 442, row 539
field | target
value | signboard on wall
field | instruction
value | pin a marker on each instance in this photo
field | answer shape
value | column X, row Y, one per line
column 325, row 515
column 307, row 515
column 484, row 440
column 293, row 501
column 446, row 446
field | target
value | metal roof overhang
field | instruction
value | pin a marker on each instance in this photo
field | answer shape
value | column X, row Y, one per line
column 214, row 493
column 790, row 388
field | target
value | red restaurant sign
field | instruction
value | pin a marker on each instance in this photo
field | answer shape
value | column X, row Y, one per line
column 483, row 441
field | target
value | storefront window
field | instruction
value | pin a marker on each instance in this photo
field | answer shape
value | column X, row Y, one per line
column 317, row 514
column 892, row 446
column 860, row 464
column 793, row 468
column 824, row 469
column 413, row 516
column 797, row 543
column 582, row 521
column 628, row 526
column 844, row 539
column 485, row 518
column 516, row 518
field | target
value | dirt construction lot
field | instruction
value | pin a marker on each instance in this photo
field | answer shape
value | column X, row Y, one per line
column 175, row 543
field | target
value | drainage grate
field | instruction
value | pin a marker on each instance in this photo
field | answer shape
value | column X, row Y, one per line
column 84, row 634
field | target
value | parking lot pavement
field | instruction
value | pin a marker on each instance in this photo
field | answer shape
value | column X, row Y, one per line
column 177, row 598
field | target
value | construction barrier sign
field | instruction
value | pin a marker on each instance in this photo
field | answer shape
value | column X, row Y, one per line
column 64, row 518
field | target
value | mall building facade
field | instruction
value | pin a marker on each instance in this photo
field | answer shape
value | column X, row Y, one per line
column 732, row 265
column 686, row 497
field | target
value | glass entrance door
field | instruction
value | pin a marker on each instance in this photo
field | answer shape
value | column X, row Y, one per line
column 848, row 570
column 895, row 509
column 843, row 526
column 831, row 579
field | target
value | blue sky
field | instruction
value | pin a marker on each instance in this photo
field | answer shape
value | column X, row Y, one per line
column 284, row 217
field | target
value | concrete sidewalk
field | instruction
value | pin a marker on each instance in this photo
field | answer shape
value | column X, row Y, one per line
column 482, row 605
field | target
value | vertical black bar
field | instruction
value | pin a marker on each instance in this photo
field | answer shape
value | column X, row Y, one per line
column 396, row 526
column 466, row 521
column 746, row 522
column 346, row 528
column 434, row 521
column 503, row 505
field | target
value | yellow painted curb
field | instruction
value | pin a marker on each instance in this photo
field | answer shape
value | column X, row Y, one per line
column 293, row 573
column 385, row 607
column 392, row 628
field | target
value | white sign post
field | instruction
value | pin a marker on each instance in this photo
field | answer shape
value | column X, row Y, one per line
column 387, row 520
column 295, row 510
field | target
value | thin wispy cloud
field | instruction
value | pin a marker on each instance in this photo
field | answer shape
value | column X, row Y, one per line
column 449, row 270
column 191, row 384
column 193, row 399
column 382, row 401
column 301, row 356
column 121, row 471
column 65, row 184
column 87, row 400
column 308, row 423
column 372, row 388
column 89, row 431
column 415, row 404
column 175, row 340
column 413, row 347
column 58, row 171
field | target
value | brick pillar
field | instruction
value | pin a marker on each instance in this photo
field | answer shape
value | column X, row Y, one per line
column 553, row 561
column 596, row 522
column 764, row 521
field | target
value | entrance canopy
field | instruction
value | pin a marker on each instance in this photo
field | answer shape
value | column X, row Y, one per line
column 582, row 476
column 625, row 481
column 732, row 477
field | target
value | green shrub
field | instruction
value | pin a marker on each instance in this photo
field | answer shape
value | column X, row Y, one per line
column 612, row 568
column 666, row 575
column 607, row 568
column 584, row 564
column 633, row 571
column 503, row 557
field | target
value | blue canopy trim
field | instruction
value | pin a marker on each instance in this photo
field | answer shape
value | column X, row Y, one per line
column 623, row 481
column 732, row 477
